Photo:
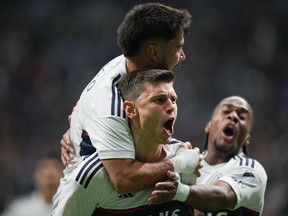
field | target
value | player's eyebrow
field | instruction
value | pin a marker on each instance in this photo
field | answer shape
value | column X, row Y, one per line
column 242, row 108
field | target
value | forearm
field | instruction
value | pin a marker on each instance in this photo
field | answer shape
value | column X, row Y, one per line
column 211, row 197
column 128, row 175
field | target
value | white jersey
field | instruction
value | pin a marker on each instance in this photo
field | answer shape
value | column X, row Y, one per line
column 98, row 121
column 89, row 192
column 247, row 178
column 98, row 118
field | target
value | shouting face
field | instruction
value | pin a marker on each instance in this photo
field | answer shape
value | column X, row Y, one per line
column 230, row 125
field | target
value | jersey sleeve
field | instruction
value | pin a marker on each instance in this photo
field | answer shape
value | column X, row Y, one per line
column 112, row 138
column 248, row 180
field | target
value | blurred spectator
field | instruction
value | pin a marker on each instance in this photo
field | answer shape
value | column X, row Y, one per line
column 39, row 201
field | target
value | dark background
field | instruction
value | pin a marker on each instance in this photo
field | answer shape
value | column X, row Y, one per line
column 50, row 50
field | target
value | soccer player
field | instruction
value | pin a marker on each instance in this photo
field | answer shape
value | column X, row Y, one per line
column 150, row 105
column 151, row 36
column 230, row 183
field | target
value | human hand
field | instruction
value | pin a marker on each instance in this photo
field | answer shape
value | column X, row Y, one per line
column 190, row 179
column 186, row 145
column 187, row 161
column 200, row 164
column 66, row 148
column 164, row 191
column 171, row 189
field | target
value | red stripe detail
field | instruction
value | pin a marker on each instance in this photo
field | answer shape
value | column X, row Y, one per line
column 251, row 211
column 85, row 132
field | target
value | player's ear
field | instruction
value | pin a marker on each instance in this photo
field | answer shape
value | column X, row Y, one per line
column 248, row 139
column 153, row 54
column 129, row 108
column 207, row 127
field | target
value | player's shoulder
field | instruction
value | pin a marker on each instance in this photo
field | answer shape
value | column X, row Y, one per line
column 103, row 87
column 243, row 161
column 115, row 67
column 108, row 77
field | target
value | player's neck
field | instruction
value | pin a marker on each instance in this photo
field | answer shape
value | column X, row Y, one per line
column 134, row 63
column 214, row 157
column 147, row 151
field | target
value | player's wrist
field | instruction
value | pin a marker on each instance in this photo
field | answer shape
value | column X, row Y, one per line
column 182, row 189
column 182, row 192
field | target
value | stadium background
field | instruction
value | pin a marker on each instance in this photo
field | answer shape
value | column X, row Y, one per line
column 50, row 49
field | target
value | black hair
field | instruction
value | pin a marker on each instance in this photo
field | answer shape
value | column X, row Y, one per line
column 151, row 20
column 132, row 84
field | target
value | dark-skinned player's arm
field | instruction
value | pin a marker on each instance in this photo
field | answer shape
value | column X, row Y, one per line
column 213, row 197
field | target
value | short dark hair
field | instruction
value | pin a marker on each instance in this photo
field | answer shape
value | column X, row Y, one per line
column 132, row 84
column 151, row 20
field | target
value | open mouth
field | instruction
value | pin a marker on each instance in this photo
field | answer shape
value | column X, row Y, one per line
column 168, row 125
column 229, row 130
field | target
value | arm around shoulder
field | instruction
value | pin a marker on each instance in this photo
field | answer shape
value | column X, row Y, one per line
column 128, row 175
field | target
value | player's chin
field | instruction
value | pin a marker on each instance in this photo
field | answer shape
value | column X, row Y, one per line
column 177, row 65
column 165, row 139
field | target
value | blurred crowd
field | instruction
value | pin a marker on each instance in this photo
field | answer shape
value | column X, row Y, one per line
column 50, row 49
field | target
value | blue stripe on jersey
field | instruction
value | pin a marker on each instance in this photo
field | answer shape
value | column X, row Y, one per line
column 121, row 111
column 119, row 104
column 245, row 161
column 94, row 171
column 240, row 160
column 85, row 165
column 86, row 147
column 88, row 170
column 253, row 163
column 116, row 98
